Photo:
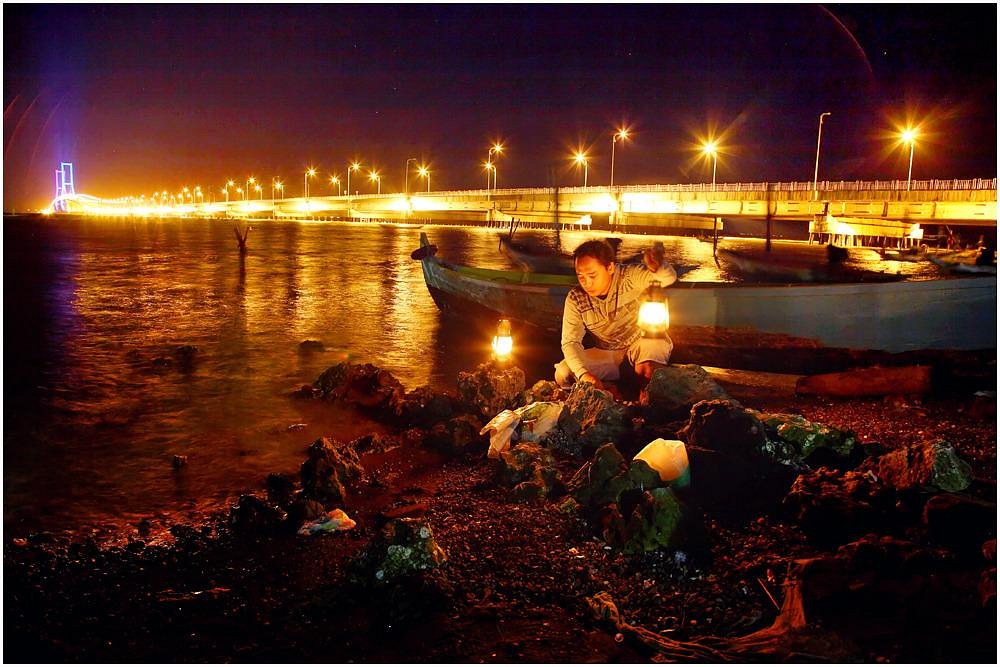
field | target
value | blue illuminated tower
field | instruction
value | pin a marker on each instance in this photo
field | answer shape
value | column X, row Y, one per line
column 64, row 184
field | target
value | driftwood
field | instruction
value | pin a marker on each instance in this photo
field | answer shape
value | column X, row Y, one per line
column 868, row 382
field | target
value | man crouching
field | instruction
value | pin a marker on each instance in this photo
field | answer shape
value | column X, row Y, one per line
column 606, row 305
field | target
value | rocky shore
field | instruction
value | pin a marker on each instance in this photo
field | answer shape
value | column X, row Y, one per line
column 804, row 528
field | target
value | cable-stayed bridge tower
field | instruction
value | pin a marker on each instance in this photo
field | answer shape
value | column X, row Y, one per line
column 64, row 185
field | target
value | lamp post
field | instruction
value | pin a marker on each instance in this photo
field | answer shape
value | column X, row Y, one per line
column 424, row 172
column 239, row 191
column 229, row 184
column 621, row 134
column 819, row 138
column 250, row 181
column 376, row 178
column 498, row 149
column 406, row 175
column 260, row 192
column 711, row 149
column 580, row 158
column 305, row 181
column 355, row 166
column 336, row 179
column 909, row 136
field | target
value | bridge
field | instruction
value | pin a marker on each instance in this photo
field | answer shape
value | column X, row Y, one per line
column 849, row 209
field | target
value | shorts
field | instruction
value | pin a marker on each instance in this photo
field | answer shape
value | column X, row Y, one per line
column 604, row 364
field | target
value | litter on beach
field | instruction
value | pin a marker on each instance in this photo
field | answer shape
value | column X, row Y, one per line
column 333, row 521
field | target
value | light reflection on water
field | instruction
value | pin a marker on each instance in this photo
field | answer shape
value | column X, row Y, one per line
column 93, row 420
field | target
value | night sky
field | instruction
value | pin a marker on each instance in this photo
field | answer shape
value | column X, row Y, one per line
column 151, row 97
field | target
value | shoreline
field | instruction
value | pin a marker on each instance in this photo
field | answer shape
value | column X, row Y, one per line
column 513, row 588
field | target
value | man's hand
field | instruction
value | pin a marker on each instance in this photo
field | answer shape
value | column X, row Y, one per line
column 592, row 379
column 653, row 257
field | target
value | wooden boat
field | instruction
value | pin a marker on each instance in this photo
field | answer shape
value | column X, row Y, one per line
column 527, row 258
column 782, row 270
column 960, row 267
column 791, row 328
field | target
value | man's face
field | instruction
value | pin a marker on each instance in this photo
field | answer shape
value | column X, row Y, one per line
column 594, row 277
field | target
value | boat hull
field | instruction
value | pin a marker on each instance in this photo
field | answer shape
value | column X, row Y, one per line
column 810, row 327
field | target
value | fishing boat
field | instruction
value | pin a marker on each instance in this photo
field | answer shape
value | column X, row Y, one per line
column 804, row 327
column 952, row 268
column 529, row 258
column 786, row 270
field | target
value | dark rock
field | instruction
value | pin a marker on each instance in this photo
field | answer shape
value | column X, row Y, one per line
column 309, row 346
column 362, row 385
column 833, row 507
column 990, row 550
column 543, row 391
column 959, row 522
column 527, row 468
column 329, row 466
column 726, row 427
column 931, row 464
column 424, row 407
column 145, row 527
column 463, row 433
column 810, row 439
column 410, row 510
column 179, row 461
column 403, row 546
column 988, row 588
column 253, row 516
column 603, row 479
column 307, row 391
column 302, row 509
column 491, row 388
column 374, row 442
column 280, row 488
column 678, row 387
column 590, row 417
column 654, row 522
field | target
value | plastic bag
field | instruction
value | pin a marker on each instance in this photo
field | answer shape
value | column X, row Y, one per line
column 331, row 522
column 538, row 418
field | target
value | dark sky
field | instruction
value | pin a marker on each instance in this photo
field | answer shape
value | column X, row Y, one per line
column 153, row 97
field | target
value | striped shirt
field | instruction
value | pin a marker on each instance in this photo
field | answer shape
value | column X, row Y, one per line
column 611, row 319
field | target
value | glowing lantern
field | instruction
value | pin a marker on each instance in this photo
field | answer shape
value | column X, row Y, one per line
column 669, row 459
column 654, row 315
column 503, row 342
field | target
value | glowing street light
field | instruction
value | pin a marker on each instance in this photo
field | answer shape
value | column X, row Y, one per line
column 375, row 177
column 355, row 166
column 909, row 136
column 498, row 149
column 580, row 158
column 250, row 181
column 280, row 187
column 622, row 135
column 819, row 137
column 335, row 179
column 488, row 166
column 424, row 172
column 305, row 181
column 406, row 175
column 711, row 149
column 260, row 192
column 225, row 190
column 239, row 191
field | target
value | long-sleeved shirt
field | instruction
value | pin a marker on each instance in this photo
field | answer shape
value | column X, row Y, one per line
column 611, row 319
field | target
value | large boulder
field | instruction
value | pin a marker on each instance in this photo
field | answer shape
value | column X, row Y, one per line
column 678, row 387
column 254, row 517
column 809, row 437
column 330, row 465
column 590, row 417
column 932, row 465
column 833, row 507
column 528, row 469
column 404, row 546
column 959, row 522
column 491, row 388
column 424, row 407
column 654, row 522
column 735, row 468
column 362, row 385
column 604, row 478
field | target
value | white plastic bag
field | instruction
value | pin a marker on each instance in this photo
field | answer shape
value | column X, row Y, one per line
column 538, row 418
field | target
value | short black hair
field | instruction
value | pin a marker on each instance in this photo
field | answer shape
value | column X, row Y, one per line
column 598, row 249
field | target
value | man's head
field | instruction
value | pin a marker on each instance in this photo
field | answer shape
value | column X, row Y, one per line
column 595, row 264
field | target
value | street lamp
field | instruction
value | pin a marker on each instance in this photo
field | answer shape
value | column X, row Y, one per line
column 250, row 181
column 580, row 158
column 406, row 175
column 305, row 181
column 260, row 192
column 239, row 191
column 711, row 149
column 335, row 179
column 909, row 136
column 424, row 172
column 280, row 187
column 225, row 190
column 621, row 134
column 819, row 137
column 498, row 149
column 355, row 166
column 376, row 178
